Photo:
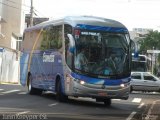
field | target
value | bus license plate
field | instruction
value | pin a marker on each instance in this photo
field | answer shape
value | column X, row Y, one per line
column 102, row 94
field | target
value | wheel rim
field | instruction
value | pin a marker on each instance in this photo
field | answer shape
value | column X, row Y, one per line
column 29, row 86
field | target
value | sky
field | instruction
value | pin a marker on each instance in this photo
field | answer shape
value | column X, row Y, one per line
column 132, row 13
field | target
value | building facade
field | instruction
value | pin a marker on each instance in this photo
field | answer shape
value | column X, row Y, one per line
column 0, row 17
column 12, row 23
column 138, row 33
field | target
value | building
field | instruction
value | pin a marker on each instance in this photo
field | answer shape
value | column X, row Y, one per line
column 0, row 18
column 12, row 23
column 138, row 33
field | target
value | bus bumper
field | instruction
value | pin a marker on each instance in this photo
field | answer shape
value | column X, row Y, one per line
column 100, row 91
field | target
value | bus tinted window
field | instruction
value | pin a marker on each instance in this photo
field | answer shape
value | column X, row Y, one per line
column 52, row 38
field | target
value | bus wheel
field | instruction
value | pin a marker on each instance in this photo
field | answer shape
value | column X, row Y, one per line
column 131, row 89
column 59, row 95
column 31, row 90
column 107, row 102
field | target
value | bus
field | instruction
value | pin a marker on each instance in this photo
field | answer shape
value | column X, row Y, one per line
column 141, row 63
column 50, row 60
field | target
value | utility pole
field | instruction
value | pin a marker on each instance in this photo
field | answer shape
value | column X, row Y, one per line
column 31, row 14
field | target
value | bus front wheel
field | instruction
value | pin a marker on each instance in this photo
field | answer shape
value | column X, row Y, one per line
column 131, row 89
column 59, row 95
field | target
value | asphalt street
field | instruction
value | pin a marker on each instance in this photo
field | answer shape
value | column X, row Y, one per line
column 16, row 103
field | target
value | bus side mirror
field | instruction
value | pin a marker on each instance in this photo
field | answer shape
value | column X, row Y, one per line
column 71, row 43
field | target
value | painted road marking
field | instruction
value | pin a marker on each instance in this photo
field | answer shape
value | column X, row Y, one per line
column 50, row 105
column 1, row 89
column 131, row 116
column 149, row 115
column 141, row 105
column 22, row 93
column 20, row 113
column 117, row 99
column 10, row 91
column 136, row 100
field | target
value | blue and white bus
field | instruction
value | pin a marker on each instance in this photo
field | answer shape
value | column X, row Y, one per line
column 50, row 59
column 141, row 63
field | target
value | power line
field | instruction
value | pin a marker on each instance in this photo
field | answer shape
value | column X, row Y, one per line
column 39, row 12
column 12, row 6
column 34, row 10
column 17, row 3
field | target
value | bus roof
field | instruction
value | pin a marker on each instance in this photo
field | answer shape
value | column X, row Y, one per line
column 82, row 22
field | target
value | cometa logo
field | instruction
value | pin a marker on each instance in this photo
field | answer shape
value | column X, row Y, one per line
column 48, row 58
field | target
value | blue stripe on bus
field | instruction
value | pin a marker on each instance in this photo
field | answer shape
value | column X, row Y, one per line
column 91, row 80
column 24, row 68
column 101, row 28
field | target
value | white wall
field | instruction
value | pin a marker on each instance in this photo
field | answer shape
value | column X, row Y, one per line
column 13, row 43
column 9, row 66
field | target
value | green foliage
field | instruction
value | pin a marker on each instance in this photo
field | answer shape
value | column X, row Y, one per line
column 158, row 58
column 151, row 40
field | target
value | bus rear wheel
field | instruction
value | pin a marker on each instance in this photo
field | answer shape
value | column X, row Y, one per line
column 107, row 102
column 31, row 90
column 59, row 95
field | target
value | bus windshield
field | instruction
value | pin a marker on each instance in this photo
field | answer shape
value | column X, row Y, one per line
column 102, row 53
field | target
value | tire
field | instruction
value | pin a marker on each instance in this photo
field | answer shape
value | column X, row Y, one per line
column 131, row 89
column 59, row 95
column 31, row 90
column 107, row 102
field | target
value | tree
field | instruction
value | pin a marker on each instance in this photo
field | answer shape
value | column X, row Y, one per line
column 151, row 40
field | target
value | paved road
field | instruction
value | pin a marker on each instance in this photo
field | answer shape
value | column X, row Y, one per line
column 15, row 103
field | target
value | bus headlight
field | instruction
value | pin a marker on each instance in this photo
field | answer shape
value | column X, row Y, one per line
column 81, row 82
column 69, row 78
column 122, row 85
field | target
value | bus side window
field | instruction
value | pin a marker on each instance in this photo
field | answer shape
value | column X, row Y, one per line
column 68, row 55
column 44, row 40
column 56, row 37
column 52, row 38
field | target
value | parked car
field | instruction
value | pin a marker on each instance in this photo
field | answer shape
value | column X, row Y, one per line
column 144, row 81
